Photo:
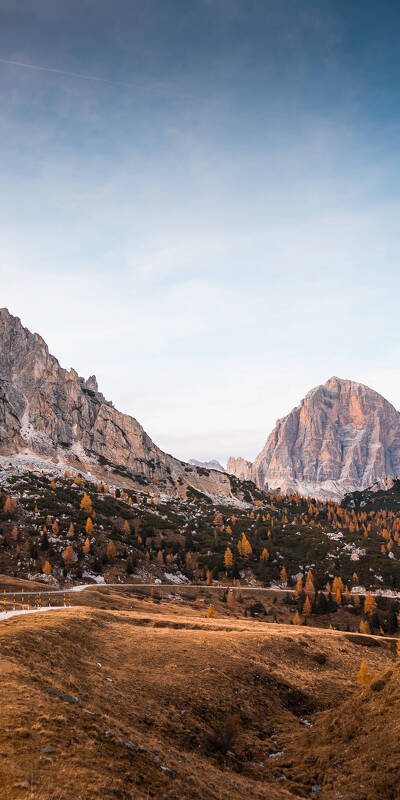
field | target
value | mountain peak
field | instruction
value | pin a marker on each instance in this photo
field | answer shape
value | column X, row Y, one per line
column 51, row 412
column 342, row 437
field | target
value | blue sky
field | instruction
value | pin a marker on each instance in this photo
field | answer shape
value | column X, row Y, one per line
column 200, row 203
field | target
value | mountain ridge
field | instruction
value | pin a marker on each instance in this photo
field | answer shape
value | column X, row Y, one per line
column 53, row 412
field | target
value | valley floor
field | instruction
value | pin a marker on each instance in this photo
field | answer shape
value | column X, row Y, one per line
column 126, row 697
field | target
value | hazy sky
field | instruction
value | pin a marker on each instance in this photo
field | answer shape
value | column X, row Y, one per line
column 200, row 203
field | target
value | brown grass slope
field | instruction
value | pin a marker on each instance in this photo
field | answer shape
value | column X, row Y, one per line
column 354, row 753
column 159, row 702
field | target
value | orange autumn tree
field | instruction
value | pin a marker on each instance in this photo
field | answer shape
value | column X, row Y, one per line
column 365, row 675
column 86, row 504
column 69, row 556
column 284, row 576
column 111, row 549
column 86, row 546
column 364, row 626
column 228, row 558
column 10, row 505
column 230, row 600
column 89, row 526
column 299, row 587
column 307, row 609
column 47, row 568
column 369, row 604
column 309, row 587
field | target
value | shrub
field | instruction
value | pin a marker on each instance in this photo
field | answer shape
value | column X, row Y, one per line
column 224, row 734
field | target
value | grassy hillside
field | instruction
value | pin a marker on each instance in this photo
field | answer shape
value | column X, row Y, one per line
column 148, row 701
column 67, row 530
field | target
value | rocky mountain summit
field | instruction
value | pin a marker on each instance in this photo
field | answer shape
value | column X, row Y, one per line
column 56, row 414
column 343, row 437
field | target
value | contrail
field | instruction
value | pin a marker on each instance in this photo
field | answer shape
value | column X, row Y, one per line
column 148, row 88
column 70, row 74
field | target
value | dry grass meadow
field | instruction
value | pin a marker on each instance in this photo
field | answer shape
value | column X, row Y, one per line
column 122, row 696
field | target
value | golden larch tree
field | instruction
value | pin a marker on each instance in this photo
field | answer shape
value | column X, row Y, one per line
column 111, row 549
column 369, row 604
column 247, row 550
column 69, row 556
column 365, row 676
column 364, row 626
column 89, row 526
column 299, row 587
column 309, row 587
column 307, row 609
column 86, row 504
column 10, row 506
column 228, row 558
column 86, row 546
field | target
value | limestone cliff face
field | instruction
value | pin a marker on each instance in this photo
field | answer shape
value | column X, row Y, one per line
column 57, row 414
column 240, row 467
column 342, row 437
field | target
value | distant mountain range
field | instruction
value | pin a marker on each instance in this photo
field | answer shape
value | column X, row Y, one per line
column 343, row 437
column 213, row 464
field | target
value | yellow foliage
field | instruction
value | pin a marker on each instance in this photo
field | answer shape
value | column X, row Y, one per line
column 369, row 604
column 111, row 549
column 364, row 626
column 365, row 676
column 307, row 607
column 86, row 504
column 89, row 526
column 228, row 558
column 68, row 555
column 283, row 576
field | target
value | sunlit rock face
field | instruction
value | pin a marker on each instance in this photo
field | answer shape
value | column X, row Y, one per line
column 342, row 437
column 55, row 413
